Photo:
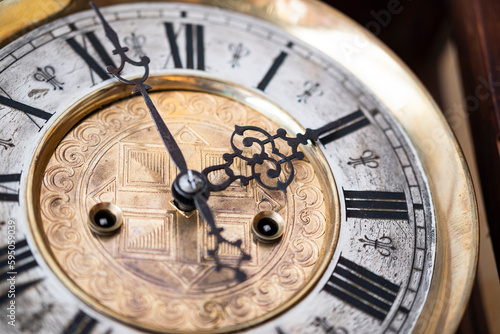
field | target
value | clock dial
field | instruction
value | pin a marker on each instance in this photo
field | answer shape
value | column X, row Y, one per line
column 157, row 270
column 356, row 238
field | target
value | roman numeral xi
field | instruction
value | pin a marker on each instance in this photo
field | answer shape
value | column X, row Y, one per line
column 95, row 65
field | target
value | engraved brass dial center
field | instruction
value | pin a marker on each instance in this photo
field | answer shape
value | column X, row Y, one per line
column 157, row 269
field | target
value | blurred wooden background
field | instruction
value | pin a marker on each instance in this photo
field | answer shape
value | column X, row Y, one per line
column 453, row 46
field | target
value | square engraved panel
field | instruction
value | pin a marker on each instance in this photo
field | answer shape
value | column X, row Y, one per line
column 235, row 227
column 147, row 233
column 145, row 167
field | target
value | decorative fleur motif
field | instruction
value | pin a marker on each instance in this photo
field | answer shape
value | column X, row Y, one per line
column 327, row 327
column 382, row 245
column 6, row 143
column 239, row 51
column 311, row 89
column 368, row 159
column 48, row 74
column 136, row 42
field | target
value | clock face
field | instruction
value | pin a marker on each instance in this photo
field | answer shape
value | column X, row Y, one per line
column 358, row 235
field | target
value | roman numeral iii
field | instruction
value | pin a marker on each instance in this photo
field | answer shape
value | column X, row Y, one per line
column 376, row 205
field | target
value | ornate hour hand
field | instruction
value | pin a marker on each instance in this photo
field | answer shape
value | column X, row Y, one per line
column 190, row 187
column 257, row 142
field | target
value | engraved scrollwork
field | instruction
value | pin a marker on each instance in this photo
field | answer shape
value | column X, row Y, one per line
column 112, row 119
column 135, row 108
column 89, row 134
column 201, row 104
column 261, row 123
column 229, row 112
column 58, row 179
column 267, row 294
column 62, row 235
column 80, row 263
column 57, row 207
column 106, row 286
column 304, row 173
column 313, row 223
column 240, row 307
column 311, row 197
column 135, row 304
column 211, row 314
column 169, row 104
column 290, row 276
column 173, row 312
column 69, row 153
column 306, row 252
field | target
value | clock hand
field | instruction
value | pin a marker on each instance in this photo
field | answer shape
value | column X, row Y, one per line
column 201, row 204
column 189, row 189
column 166, row 136
column 257, row 160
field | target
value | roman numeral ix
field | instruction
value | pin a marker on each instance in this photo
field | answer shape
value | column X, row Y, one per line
column 8, row 194
column 362, row 289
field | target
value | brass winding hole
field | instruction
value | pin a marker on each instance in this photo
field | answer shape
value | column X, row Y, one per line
column 105, row 218
column 268, row 226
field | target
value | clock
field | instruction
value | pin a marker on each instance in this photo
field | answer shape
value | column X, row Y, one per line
column 282, row 172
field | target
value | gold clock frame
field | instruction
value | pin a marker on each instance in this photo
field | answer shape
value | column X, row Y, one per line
column 391, row 82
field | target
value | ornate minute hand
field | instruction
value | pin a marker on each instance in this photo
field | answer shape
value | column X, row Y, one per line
column 167, row 137
column 190, row 187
